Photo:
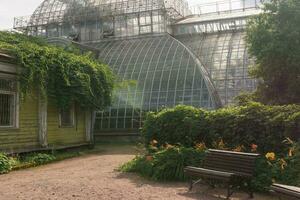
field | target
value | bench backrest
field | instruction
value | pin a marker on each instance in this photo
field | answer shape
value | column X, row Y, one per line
column 229, row 161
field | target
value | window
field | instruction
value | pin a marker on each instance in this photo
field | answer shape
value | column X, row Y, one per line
column 66, row 117
column 8, row 101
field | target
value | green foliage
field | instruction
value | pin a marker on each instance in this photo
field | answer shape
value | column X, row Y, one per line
column 245, row 98
column 5, row 164
column 140, row 165
column 254, row 123
column 166, row 164
column 263, row 175
column 273, row 39
column 169, row 163
column 61, row 76
column 40, row 158
column 181, row 124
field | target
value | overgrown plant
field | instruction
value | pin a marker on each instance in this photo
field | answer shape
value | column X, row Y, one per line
column 41, row 158
column 58, row 75
column 5, row 164
column 165, row 164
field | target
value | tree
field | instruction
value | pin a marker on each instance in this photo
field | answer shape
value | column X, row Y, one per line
column 273, row 38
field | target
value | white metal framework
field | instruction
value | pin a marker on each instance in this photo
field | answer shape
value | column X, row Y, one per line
column 174, row 53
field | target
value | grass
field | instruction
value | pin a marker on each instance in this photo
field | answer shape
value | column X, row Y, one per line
column 27, row 160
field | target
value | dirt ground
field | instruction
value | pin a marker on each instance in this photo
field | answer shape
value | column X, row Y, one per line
column 95, row 177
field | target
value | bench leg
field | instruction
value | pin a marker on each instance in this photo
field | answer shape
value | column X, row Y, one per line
column 192, row 183
column 250, row 190
column 229, row 193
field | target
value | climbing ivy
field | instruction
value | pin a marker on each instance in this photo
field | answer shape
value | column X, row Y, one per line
column 59, row 75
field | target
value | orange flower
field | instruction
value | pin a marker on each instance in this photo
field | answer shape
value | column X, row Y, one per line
column 149, row 158
column 271, row 156
column 254, row 147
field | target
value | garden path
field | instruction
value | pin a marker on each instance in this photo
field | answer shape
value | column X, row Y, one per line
column 94, row 177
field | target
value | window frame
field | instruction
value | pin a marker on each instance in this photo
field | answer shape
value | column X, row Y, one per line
column 72, row 117
column 15, row 101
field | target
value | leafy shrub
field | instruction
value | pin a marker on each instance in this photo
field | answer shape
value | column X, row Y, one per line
column 5, row 164
column 181, row 124
column 166, row 164
column 140, row 164
column 41, row 158
column 254, row 123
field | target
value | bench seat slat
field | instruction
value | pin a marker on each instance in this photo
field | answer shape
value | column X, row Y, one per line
column 287, row 190
column 222, row 152
column 231, row 158
column 228, row 167
column 209, row 171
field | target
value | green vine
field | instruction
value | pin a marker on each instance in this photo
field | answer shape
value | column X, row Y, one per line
column 61, row 76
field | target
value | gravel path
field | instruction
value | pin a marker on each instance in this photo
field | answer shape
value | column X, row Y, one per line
column 94, row 177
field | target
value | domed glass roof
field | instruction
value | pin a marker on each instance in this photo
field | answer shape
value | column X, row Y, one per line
column 50, row 11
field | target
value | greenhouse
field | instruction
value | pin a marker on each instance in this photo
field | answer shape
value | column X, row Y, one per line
column 172, row 52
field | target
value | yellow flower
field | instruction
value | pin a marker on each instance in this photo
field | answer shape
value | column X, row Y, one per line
column 153, row 143
column 291, row 152
column 168, row 146
column 221, row 144
column 239, row 148
column 283, row 164
column 271, row 156
column 201, row 146
column 273, row 180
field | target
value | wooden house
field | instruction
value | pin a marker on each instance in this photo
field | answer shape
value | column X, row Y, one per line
column 32, row 124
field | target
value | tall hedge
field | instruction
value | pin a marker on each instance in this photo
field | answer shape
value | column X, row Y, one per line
column 254, row 123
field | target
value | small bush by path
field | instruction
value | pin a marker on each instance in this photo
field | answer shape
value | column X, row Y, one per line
column 27, row 160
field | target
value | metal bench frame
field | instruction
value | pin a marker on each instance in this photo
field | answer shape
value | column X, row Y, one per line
column 284, row 191
column 224, row 166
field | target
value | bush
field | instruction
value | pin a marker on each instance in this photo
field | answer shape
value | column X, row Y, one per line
column 40, row 158
column 5, row 164
column 166, row 164
column 140, row 164
column 181, row 124
column 254, row 123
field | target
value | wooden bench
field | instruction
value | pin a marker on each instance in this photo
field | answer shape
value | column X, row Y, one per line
column 225, row 167
column 286, row 191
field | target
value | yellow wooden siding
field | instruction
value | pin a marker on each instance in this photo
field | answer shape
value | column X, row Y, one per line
column 26, row 136
column 65, row 136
